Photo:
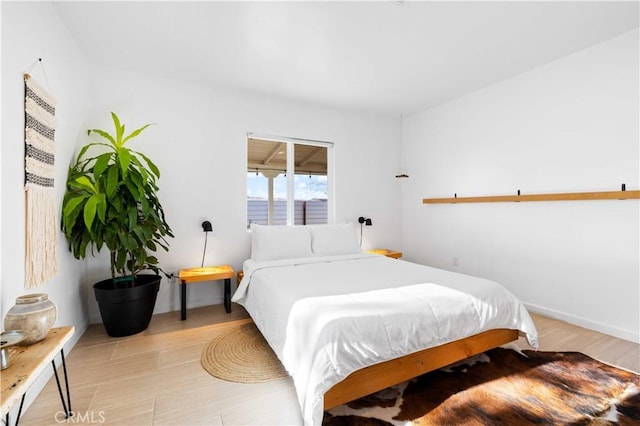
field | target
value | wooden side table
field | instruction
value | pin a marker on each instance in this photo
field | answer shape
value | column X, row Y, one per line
column 386, row 252
column 206, row 273
column 27, row 363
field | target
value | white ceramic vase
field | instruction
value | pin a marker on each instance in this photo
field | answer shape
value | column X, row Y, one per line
column 34, row 314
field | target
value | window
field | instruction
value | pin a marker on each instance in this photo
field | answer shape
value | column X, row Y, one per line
column 287, row 181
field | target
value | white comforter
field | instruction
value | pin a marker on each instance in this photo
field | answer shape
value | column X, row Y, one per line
column 326, row 317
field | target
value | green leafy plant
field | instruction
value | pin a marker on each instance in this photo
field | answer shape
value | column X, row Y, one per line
column 112, row 200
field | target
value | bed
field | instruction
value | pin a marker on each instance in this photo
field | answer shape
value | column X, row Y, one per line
column 345, row 324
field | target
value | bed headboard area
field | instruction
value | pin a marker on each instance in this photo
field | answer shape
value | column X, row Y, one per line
column 288, row 242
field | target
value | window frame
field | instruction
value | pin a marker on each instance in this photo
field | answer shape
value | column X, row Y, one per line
column 291, row 142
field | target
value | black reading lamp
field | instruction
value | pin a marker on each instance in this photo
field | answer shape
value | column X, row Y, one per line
column 206, row 227
column 364, row 221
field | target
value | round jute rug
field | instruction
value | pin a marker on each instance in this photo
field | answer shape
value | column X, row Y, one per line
column 242, row 355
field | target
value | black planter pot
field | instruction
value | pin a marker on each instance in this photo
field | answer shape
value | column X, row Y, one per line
column 127, row 311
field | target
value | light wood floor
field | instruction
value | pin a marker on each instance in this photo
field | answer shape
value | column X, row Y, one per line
column 155, row 377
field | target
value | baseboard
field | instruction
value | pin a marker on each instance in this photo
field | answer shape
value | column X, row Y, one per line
column 161, row 308
column 175, row 306
column 585, row 323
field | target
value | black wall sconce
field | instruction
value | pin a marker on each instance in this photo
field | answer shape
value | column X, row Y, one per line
column 363, row 221
column 206, row 228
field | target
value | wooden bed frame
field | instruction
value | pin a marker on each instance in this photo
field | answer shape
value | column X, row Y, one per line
column 380, row 376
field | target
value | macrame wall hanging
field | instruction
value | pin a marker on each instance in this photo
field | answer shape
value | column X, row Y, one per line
column 41, row 260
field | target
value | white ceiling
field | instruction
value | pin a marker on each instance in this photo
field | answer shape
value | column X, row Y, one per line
column 383, row 57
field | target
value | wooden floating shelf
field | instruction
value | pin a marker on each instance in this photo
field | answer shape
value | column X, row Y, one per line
column 567, row 196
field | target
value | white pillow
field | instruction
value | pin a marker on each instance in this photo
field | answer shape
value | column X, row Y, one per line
column 279, row 242
column 333, row 240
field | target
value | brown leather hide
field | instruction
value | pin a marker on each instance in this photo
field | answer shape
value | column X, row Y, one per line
column 503, row 386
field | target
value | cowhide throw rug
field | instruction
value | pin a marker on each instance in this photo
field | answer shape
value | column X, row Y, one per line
column 504, row 387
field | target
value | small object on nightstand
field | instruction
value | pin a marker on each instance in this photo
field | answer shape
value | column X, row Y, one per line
column 386, row 252
column 9, row 338
column 206, row 273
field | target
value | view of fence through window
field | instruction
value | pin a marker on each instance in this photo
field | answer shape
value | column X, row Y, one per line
column 267, row 183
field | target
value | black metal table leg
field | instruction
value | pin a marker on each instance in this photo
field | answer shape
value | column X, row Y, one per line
column 67, row 412
column 227, row 295
column 66, row 381
column 66, row 406
column 6, row 417
column 183, row 300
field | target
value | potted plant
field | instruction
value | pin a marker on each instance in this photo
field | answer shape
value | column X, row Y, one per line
column 111, row 201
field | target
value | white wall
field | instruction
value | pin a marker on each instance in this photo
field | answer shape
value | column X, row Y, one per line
column 571, row 125
column 31, row 31
column 199, row 143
